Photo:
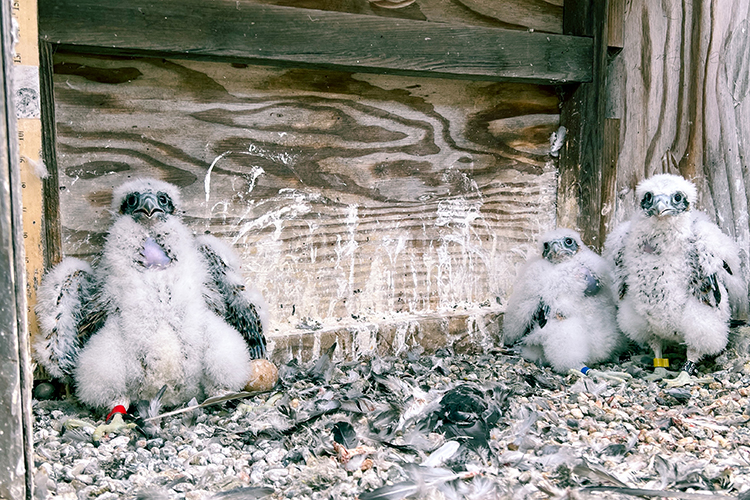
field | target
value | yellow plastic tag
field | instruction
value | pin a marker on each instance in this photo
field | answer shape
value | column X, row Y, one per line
column 661, row 363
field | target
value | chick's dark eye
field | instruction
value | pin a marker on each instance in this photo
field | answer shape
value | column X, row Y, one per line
column 162, row 199
column 546, row 246
column 677, row 197
column 132, row 200
column 647, row 197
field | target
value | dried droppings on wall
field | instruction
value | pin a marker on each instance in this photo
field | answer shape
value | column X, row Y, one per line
column 347, row 195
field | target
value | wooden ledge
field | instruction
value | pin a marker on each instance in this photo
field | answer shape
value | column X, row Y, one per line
column 467, row 331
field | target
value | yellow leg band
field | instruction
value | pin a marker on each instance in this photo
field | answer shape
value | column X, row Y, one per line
column 661, row 363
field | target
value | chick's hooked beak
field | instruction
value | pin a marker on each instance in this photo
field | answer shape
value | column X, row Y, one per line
column 148, row 204
column 662, row 206
column 559, row 250
column 555, row 248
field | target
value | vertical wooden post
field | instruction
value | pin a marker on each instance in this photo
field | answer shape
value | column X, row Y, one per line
column 579, row 199
column 616, row 24
column 610, row 155
column 15, row 378
column 51, row 184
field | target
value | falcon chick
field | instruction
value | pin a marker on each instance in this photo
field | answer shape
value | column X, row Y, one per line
column 160, row 308
column 677, row 276
column 562, row 307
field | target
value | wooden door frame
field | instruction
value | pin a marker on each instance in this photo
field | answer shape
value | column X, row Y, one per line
column 588, row 170
column 16, row 461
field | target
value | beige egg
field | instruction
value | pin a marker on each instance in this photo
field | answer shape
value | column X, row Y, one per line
column 263, row 375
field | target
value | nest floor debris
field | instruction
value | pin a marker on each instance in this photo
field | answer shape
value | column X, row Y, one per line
column 381, row 428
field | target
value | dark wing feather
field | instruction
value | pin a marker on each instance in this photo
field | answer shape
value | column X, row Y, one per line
column 539, row 317
column 234, row 305
column 703, row 286
column 622, row 289
column 614, row 253
column 706, row 289
column 65, row 304
column 93, row 314
column 727, row 268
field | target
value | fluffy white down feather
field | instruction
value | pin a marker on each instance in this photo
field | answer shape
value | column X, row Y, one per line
column 159, row 328
column 158, row 319
column 652, row 274
column 580, row 329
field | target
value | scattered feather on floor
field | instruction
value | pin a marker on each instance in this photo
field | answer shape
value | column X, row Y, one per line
column 438, row 426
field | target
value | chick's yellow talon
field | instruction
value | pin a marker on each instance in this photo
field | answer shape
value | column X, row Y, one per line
column 684, row 378
column 117, row 424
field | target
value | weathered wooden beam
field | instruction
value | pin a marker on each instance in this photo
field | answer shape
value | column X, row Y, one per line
column 610, row 155
column 582, row 160
column 51, row 184
column 15, row 383
column 616, row 24
column 237, row 30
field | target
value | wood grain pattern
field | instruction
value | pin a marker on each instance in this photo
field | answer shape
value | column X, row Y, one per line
column 615, row 24
column 535, row 14
column 248, row 32
column 474, row 331
column 348, row 195
column 610, row 154
column 538, row 15
column 582, row 160
column 683, row 77
column 50, row 186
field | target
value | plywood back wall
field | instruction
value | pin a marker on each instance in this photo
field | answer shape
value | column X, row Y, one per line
column 347, row 195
